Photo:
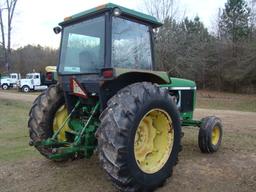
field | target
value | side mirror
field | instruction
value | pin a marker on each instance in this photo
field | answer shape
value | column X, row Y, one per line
column 57, row 30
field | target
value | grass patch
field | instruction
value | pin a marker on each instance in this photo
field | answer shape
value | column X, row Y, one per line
column 14, row 135
column 14, row 90
column 226, row 101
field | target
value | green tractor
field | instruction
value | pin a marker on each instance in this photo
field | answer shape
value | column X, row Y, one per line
column 109, row 100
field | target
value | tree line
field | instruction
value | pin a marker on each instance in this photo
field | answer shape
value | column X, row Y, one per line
column 224, row 61
column 33, row 58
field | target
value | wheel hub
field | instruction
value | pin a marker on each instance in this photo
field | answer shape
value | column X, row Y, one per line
column 59, row 118
column 215, row 135
column 153, row 141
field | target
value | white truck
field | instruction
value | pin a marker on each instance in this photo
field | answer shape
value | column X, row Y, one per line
column 35, row 82
column 10, row 81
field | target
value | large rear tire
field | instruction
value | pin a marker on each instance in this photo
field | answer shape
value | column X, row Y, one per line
column 138, row 116
column 42, row 117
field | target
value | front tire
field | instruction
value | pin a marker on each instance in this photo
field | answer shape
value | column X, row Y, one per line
column 210, row 134
column 5, row 86
column 25, row 89
column 131, row 121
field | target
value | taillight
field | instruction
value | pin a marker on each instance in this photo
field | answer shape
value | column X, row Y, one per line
column 107, row 73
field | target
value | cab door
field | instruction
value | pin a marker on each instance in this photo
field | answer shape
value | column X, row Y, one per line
column 14, row 78
column 36, row 80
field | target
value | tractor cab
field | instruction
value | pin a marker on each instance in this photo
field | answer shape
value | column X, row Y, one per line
column 108, row 36
column 105, row 49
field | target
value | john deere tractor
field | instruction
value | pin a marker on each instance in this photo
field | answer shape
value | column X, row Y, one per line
column 109, row 100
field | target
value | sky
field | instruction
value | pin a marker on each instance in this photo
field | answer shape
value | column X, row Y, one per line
column 34, row 19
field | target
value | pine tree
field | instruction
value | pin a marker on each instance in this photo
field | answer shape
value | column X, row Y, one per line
column 234, row 21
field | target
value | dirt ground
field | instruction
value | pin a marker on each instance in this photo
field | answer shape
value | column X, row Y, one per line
column 232, row 168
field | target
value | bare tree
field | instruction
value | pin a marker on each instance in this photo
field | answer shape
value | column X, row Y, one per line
column 7, row 8
column 252, row 5
column 162, row 9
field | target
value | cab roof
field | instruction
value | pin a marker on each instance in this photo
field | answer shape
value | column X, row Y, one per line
column 148, row 19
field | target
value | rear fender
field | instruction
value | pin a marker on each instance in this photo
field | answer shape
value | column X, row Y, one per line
column 111, row 87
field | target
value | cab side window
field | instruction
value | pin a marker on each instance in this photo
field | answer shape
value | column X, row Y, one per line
column 130, row 45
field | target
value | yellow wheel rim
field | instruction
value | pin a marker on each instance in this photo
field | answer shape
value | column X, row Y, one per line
column 59, row 118
column 153, row 141
column 215, row 135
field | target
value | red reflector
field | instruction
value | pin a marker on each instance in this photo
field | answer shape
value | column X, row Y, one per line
column 77, row 89
column 107, row 73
